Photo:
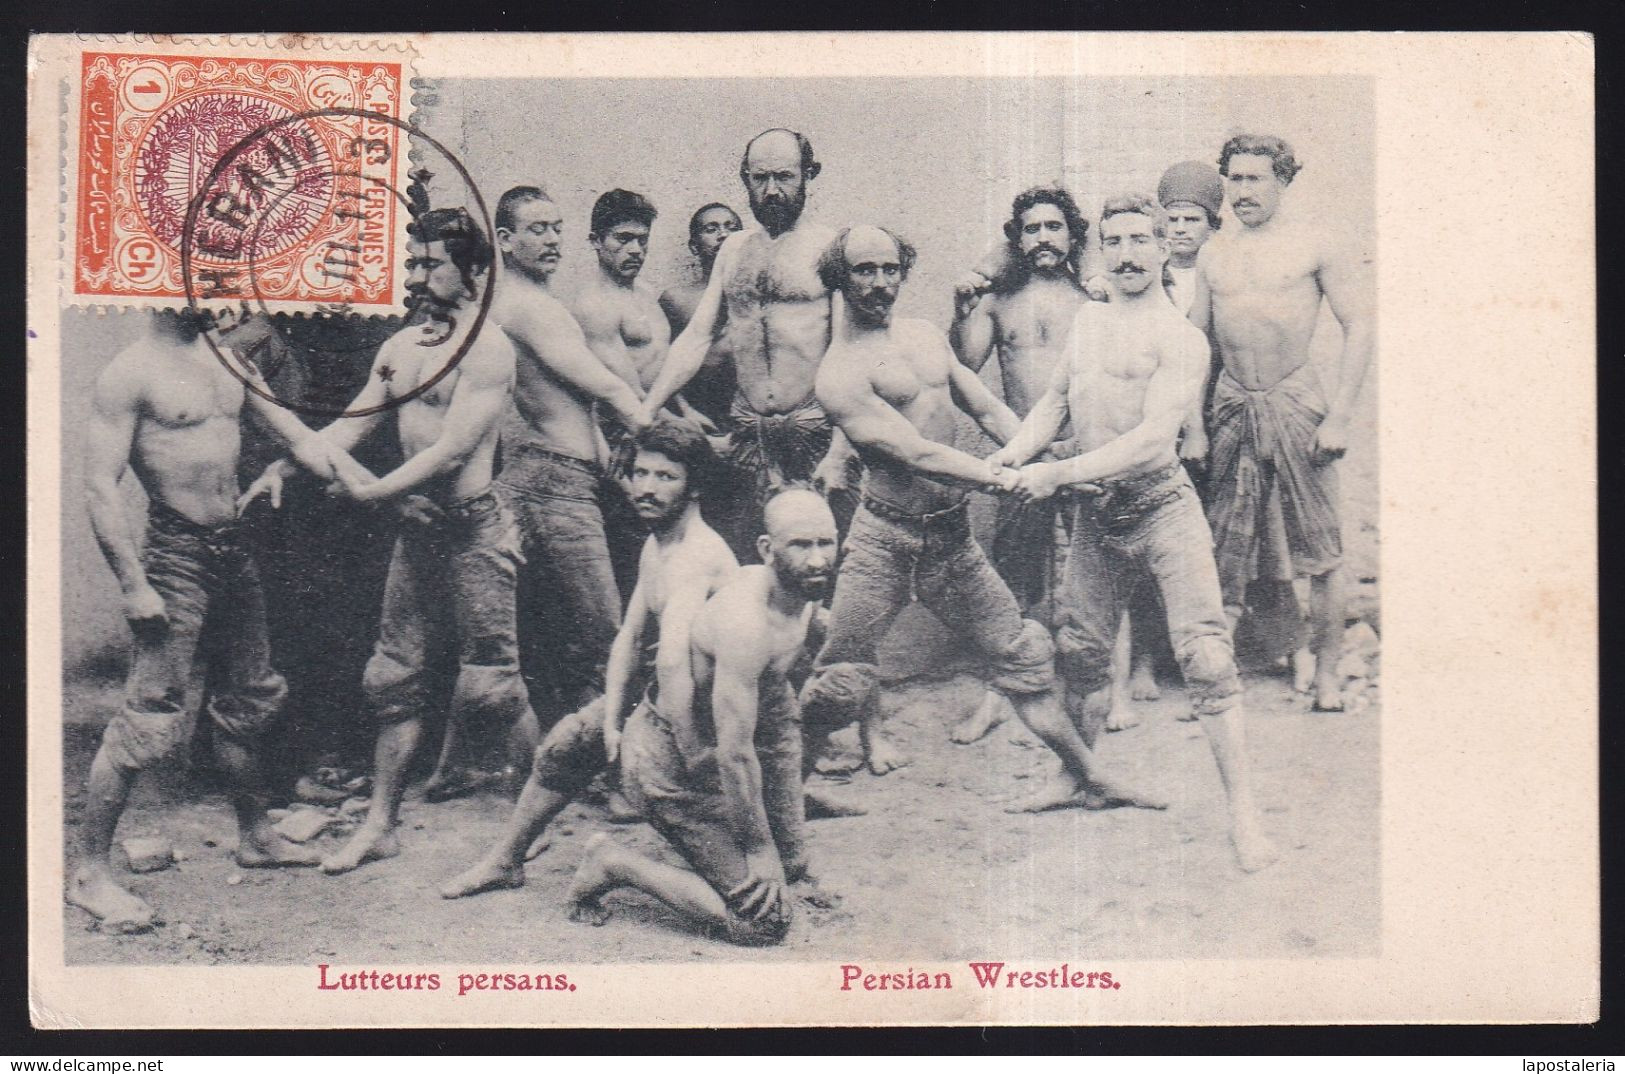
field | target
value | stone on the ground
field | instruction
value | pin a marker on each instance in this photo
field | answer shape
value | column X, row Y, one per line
column 148, row 854
column 1360, row 638
column 304, row 825
column 184, row 931
column 354, row 806
column 1352, row 665
column 276, row 814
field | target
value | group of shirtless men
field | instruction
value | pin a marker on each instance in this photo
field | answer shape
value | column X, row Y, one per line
column 712, row 687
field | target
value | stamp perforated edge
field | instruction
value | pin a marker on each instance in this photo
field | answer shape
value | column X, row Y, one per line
column 270, row 46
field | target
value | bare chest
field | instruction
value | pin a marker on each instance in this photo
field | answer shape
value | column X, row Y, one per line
column 1036, row 316
column 1261, row 268
column 185, row 394
column 898, row 377
column 774, row 270
column 420, row 371
column 1114, row 359
column 640, row 321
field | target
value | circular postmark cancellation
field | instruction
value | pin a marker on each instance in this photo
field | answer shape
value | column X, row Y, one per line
column 266, row 198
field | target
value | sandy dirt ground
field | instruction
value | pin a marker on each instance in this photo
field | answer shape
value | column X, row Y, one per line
column 934, row 871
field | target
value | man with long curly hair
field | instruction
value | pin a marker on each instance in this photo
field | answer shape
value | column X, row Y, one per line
column 1022, row 310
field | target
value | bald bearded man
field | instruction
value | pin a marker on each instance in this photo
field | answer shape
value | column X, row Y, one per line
column 734, row 810
column 767, row 306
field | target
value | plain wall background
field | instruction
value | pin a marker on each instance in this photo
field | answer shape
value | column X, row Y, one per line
column 935, row 159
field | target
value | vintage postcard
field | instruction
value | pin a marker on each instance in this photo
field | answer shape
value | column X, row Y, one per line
column 801, row 529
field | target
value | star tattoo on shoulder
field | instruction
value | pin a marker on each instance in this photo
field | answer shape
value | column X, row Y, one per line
column 385, row 373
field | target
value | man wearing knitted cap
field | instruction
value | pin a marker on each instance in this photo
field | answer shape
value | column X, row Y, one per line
column 1190, row 194
column 1276, row 432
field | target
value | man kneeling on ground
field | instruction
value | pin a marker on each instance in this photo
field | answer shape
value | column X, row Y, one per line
column 683, row 562
column 735, row 810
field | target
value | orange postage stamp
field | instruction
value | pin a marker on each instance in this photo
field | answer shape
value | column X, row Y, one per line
column 238, row 175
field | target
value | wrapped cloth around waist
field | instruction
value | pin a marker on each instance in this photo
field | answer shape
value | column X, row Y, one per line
column 1264, row 422
column 786, row 447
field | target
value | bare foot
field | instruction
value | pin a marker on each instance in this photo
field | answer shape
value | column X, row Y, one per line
column 369, row 843
column 591, row 881
column 266, row 849
column 993, row 710
column 1062, row 793
column 842, row 765
column 94, row 890
column 483, row 876
column 884, row 757
column 1122, row 717
column 444, row 786
column 1303, row 670
column 1253, row 851
column 622, row 811
column 820, row 806
column 1109, row 794
column 1142, row 683
column 538, row 846
column 1328, row 692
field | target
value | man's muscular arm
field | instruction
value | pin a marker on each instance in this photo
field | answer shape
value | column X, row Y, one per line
column 326, row 452
column 559, row 343
column 1193, row 443
column 366, row 410
column 1043, row 422
column 673, row 671
column 109, row 441
column 477, row 403
column 601, row 326
column 688, row 351
column 1167, row 400
column 977, row 400
column 1345, row 280
column 623, row 662
column 870, row 422
column 974, row 330
column 741, row 660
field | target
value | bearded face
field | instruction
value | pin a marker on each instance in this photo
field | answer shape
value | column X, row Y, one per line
column 775, row 181
column 1045, row 239
column 658, row 489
